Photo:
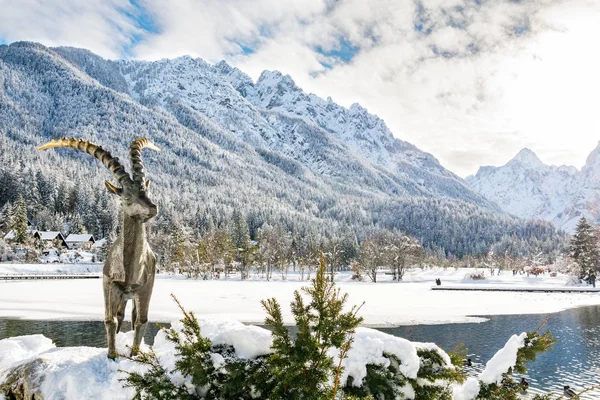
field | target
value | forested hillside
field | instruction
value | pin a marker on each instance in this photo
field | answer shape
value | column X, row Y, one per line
column 266, row 151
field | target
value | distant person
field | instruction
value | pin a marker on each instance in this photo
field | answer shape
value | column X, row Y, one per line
column 498, row 271
column 593, row 279
column 568, row 392
column 438, row 281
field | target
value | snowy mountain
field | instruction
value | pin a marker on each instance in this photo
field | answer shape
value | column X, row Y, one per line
column 528, row 188
column 265, row 149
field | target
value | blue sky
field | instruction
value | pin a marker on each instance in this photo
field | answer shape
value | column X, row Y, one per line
column 471, row 82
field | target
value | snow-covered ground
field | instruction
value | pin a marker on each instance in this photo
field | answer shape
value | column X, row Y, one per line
column 386, row 303
column 51, row 268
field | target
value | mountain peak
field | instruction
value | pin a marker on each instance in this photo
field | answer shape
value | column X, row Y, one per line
column 274, row 78
column 528, row 158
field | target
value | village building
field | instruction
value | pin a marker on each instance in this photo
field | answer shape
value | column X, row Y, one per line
column 50, row 238
column 80, row 241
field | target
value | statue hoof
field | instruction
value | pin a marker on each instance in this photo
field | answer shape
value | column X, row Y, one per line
column 112, row 355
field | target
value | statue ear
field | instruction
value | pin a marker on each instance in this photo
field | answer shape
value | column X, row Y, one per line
column 113, row 189
column 147, row 184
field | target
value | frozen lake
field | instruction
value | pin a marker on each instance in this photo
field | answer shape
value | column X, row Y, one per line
column 574, row 361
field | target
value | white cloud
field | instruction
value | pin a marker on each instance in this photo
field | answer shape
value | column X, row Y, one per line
column 101, row 26
column 471, row 83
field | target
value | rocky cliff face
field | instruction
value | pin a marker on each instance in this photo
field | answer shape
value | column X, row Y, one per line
column 528, row 188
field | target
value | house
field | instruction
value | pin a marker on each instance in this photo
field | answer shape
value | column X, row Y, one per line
column 12, row 234
column 49, row 237
column 80, row 241
column 98, row 244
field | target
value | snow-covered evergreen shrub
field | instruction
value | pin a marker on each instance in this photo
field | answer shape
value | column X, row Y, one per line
column 328, row 357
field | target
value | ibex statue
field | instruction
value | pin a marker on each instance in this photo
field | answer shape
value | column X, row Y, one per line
column 130, row 266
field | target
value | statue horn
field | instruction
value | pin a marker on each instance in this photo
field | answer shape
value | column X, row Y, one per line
column 135, row 154
column 110, row 162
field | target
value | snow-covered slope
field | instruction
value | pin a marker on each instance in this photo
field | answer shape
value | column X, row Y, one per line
column 528, row 188
column 265, row 149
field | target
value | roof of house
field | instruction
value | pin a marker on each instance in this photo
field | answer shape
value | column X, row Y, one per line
column 99, row 243
column 83, row 238
column 10, row 235
column 48, row 235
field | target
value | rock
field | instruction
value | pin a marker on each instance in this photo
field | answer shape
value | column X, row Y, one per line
column 22, row 382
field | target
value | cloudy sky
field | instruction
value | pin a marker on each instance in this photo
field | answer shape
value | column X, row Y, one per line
column 470, row 81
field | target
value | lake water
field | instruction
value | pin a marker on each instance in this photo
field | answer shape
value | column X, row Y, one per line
column 574, row 360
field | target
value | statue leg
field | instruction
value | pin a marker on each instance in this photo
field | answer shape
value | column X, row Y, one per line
column 121, row 314
column 140, row 320
column 112, row 301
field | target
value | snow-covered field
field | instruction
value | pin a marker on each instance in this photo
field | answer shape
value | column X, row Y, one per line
column 386, row 303
column 51, row 268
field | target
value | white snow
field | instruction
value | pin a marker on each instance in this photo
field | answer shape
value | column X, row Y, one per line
column 72, row 372
column 386, row 303
column 504, row 359
column 368, row 348
column 249, row 341
column 528, row 188
column 499, row 364
column 85, row 372
column 51, row 268
column 467, row 391
column 21, row 348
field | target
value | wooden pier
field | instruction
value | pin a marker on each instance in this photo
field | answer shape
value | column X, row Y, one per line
column 36, row 277
column 519, row 289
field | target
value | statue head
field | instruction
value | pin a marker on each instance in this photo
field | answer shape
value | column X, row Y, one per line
column 133, row 190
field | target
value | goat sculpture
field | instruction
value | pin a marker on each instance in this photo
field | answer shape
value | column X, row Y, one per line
column 129, row 268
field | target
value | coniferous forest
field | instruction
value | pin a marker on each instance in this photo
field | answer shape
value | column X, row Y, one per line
column 230, row 173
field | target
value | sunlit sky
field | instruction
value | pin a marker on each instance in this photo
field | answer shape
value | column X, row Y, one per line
column 470, row 81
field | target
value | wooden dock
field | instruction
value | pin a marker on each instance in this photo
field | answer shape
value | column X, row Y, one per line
column 36, row 277
column 519, row 289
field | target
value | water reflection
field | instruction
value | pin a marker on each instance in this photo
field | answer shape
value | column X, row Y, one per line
column 574, row 360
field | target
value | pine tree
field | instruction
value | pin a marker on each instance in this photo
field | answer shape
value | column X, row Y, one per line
column 584, row 248
column 301, row 366
column 6, row 218
column 20, row 220
column 177, row 245
column 239, row 230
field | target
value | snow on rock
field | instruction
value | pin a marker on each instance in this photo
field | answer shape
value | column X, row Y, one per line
column 504, row 359
column 17, row 349
column 67, row 372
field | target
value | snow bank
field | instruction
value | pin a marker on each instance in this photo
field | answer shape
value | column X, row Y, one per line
column 70, row 372
column 16, row 349
column 504, row 359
